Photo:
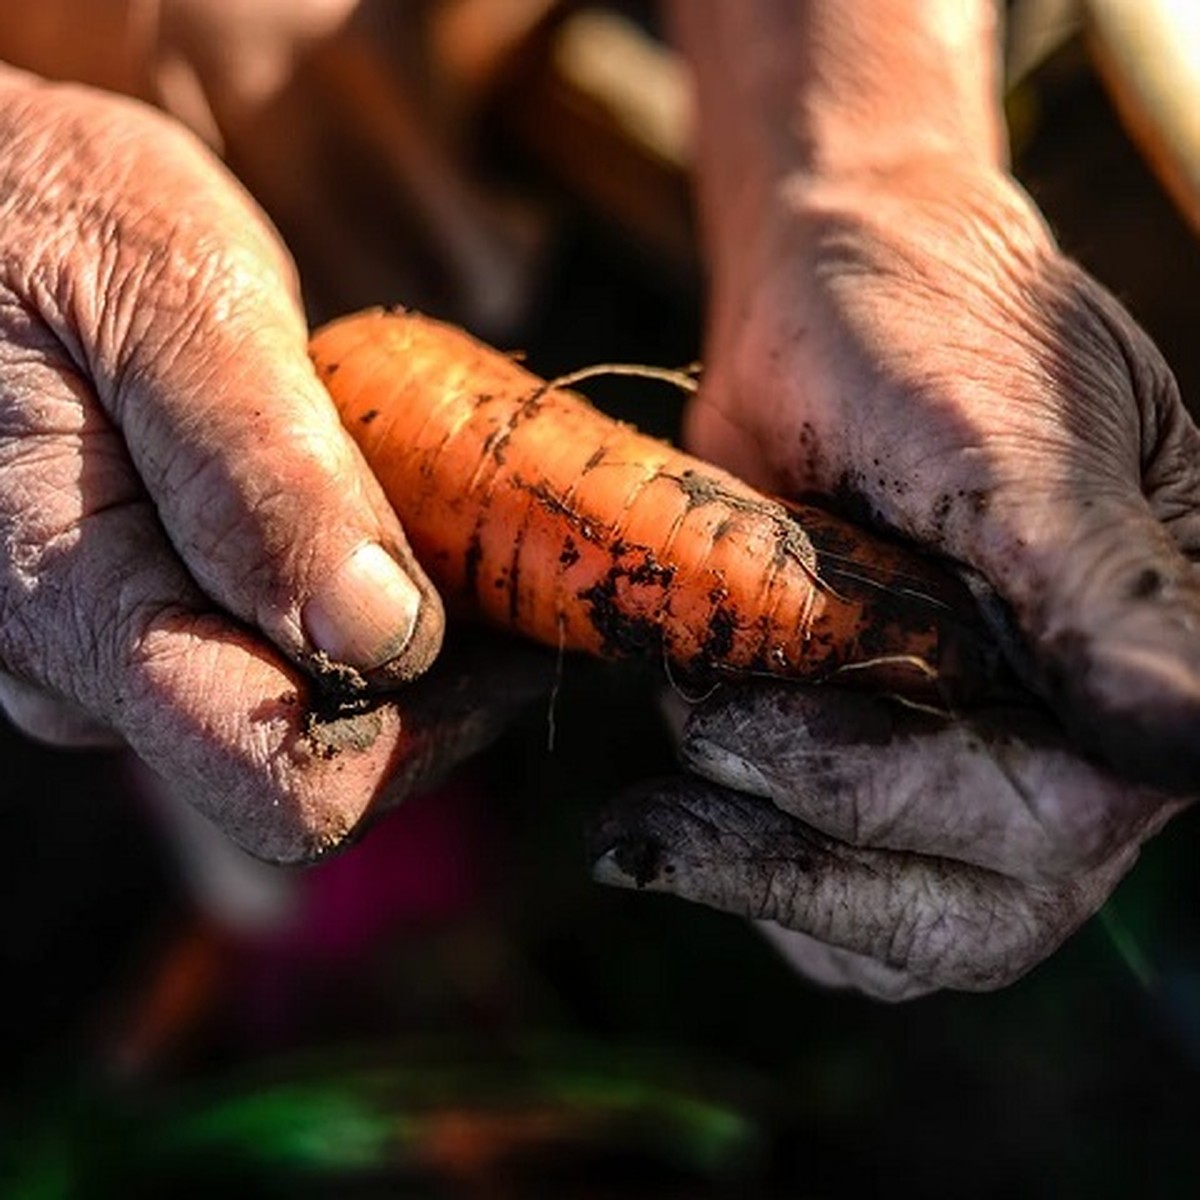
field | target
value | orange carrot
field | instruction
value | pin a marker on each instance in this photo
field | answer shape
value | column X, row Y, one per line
column 530, row 508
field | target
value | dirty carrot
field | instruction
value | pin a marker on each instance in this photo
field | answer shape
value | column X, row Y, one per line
column 533, row 510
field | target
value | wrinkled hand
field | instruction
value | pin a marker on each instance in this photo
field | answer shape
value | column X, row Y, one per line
column 185, row 530
column 917, row 345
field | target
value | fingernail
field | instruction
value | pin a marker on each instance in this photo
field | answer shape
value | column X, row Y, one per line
column 364, row 614
column 723, row 766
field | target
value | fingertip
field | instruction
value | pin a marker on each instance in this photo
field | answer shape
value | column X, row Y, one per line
column 423, row 646
column 1109, row 607
column 370, row 614
column 241, row 735
column 610, row 869
column 696, row 840
column 1135, row 705
column 727, row 767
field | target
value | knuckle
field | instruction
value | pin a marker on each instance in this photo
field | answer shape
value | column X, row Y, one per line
column 171, row 300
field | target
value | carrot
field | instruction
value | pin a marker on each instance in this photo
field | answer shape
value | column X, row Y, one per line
column 531, row 509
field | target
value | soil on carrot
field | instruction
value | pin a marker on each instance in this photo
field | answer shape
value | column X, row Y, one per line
column 624, row 635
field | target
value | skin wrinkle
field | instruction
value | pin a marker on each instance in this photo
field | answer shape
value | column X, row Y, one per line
column 1171, row 508
column 939, row 946
column 155, row 658
column 843, row 252
column 119, row 633
column 258, row 520
column 768, row 904
column 124, row 240
column 84, row 676
column 1099, row 584
column 108, row 303
column 887, row 794
column 934, row 952
column 134, row 357
column 48, row 276
column 911, row 935
column 892, row 938
column 1167, row 478
column 1152, row 382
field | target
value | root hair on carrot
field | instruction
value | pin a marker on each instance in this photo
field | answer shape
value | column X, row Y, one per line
column 552, row 699
column 686, row 379
column 921, row 665
column 677, row 687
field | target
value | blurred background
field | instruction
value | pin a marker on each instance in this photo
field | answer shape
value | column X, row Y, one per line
column 451, row 1008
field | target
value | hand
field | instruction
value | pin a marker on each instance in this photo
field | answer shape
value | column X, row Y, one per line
column 185, row 529
column 882, row 847
column 916, row 345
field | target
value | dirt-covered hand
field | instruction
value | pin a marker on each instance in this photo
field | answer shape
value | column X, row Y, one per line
column 916, row 345
column 887, row 848
column 186, row 532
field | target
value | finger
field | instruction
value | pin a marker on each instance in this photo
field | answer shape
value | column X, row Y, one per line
column 1003, row 791
column 944, row 924
column 833, row 967
column 46, row 718
column 263, row 495
column 186, row 317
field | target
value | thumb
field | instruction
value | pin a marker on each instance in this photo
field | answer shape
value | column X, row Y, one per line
column 264, row 496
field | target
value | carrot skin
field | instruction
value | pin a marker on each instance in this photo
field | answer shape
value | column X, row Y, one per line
column 532, row 510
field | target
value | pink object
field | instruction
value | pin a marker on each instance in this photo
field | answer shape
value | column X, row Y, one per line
column 421, row 865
